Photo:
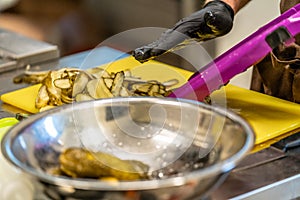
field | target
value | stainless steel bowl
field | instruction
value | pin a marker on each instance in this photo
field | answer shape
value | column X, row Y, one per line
column 189, row 146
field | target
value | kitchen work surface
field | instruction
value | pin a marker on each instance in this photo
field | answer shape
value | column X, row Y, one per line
column 271, row 118
column 32, row 51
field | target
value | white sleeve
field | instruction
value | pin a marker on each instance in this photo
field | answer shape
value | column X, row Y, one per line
column 4, row 4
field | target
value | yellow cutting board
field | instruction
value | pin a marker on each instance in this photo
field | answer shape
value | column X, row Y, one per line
column 271, row 118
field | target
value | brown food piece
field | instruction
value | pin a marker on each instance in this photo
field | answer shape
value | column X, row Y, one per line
column 82, row 163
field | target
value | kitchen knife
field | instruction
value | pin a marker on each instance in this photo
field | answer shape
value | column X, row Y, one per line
column 242, row 56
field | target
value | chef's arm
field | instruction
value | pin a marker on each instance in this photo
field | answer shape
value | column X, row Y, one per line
column 213, row 20
column 236, row 5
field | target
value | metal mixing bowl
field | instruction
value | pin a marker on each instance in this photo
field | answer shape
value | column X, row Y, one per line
column 189, row 146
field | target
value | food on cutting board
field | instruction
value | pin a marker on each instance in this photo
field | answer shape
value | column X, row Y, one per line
column 68, row 85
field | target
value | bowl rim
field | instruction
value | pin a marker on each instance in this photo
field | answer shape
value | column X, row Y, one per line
column 222, row 167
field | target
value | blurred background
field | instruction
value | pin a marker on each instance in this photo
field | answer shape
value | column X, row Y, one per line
column 78, row 25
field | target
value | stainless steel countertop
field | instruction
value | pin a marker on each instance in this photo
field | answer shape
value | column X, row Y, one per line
column 261, row 173
column 271, row 173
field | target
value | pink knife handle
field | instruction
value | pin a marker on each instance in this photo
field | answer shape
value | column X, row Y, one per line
column 238, row 59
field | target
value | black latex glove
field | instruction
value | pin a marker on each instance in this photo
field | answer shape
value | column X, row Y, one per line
column 213, row 20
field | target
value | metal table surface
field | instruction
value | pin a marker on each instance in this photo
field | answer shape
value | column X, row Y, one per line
column 268, row 174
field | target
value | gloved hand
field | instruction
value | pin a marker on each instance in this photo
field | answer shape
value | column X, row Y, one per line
column 213, row 20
